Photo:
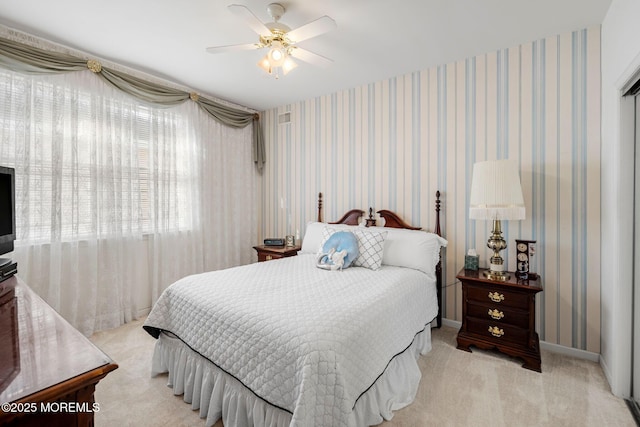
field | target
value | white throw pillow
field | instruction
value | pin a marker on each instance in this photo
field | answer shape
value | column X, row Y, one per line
column 371, row 248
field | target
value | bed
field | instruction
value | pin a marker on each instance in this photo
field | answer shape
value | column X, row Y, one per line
column 284, row 343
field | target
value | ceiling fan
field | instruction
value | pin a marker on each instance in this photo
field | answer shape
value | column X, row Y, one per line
column 280, row 39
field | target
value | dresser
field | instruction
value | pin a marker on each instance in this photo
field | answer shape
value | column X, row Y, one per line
column 500, row 315
column 267, row 253
column 48, row 369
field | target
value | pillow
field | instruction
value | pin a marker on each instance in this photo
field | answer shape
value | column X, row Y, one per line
column 370, row 244
column 327, row 231
column 313, row 238
column 371, row 247
column 415, row 249
column 338, row 242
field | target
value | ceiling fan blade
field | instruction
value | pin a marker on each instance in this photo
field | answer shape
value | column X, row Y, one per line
column 312, row 29
column 251, row 19
column 310, row 57
column 231, row 48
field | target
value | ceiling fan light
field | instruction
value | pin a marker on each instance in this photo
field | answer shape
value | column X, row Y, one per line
column 276, row 56
column 288, row 65
column 265, row 64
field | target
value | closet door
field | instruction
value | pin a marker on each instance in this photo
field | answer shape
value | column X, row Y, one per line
column 636, row 262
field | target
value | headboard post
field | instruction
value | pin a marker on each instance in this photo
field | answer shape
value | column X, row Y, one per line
column 319, row 207
column 439, row 284
column 437, row 229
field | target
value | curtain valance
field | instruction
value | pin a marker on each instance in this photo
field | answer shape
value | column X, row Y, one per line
column 28, row 59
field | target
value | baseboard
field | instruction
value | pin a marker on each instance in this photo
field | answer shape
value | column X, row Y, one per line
column 554, row 348
column 607, row 374
column 143, row 312
column 570, row 351
column 451, row 323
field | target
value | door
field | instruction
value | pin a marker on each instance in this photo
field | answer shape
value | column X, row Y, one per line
column 635, row 381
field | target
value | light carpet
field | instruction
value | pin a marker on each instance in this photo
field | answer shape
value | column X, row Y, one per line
column 457, row 389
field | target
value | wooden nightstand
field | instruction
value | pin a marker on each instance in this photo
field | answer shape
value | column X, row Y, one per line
column 267, row 253
column 500, row 315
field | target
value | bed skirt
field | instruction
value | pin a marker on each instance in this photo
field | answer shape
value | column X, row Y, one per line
column 216, row 394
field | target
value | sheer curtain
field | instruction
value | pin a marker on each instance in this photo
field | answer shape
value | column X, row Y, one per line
column 227, row 212
column 115, row 200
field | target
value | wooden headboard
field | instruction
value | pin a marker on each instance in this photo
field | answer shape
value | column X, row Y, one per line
column 392, row 220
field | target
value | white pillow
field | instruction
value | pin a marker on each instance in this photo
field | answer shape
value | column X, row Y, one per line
column 312, row 237
column 370, row 244
column 415, row 249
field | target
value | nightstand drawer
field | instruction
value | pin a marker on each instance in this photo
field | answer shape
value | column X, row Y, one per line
column 267, row 253
column 498, row 332
column 497, row 296
column 268, row 256
column 499, row 314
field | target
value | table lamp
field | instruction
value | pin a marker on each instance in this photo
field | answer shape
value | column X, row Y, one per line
column 496, row 195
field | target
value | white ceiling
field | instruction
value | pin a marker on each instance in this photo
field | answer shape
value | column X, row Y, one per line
column 374, row 39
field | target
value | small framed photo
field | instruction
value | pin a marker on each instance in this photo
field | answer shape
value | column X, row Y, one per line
column 290, row 241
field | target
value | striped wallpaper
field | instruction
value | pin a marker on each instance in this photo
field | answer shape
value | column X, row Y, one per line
column 393, row 143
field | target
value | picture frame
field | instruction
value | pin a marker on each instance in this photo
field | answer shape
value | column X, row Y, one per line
column 289, row 241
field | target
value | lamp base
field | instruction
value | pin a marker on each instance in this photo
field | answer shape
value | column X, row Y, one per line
column 498, row 276
column 496, row 263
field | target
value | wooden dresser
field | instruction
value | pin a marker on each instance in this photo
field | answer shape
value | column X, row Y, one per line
column 267, row 253
column 48, row 369
column 500, row 315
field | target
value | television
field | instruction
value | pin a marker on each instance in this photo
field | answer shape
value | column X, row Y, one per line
column 7, row 211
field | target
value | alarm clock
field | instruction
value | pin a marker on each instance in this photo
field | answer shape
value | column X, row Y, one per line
column 525, row 249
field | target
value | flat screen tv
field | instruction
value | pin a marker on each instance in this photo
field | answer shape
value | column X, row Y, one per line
column 7, row 211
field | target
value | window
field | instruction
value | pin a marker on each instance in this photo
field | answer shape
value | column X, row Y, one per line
column 91, row 162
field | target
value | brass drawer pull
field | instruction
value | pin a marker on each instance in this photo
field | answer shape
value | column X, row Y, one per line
column 495, row 314
column 495, row 331
column 268, row 258
column 496, row 297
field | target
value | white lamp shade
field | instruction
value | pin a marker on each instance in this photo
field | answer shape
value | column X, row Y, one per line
column 496, row 192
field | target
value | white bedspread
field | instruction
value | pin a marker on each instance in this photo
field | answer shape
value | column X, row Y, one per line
column 306, row 340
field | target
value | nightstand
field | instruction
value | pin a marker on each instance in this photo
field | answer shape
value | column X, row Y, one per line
column 267, row 253
column 500, row 315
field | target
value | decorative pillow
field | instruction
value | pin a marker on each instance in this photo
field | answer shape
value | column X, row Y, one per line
column 370, row 244
column 339, row 251
column 371, row 248
column 327, row 231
